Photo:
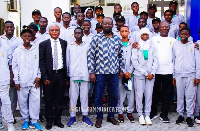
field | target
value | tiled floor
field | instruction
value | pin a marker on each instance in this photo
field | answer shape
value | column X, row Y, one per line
column 157, row 125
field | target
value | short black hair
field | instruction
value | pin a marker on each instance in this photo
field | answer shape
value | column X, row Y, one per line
column 66, row 13
column 168, row 11
column 183, row 23
column 144, row 12
column 86, row 21
column 173, row 2
column 78, row 28
column 134, row 3
column 118, row 5
column 25, row 29
column 9, row 22
column 81, row 13
column 186, row 28
column 124, row 26
column 34, row 27
column 57, row 8
column 44, row 18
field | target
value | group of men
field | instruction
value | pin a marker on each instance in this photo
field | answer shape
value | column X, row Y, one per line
column 88, row 53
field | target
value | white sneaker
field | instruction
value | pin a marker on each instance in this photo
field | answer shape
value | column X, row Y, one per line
column 197, row 120
column 148, row 120
column 11, row 127
column 141, row 120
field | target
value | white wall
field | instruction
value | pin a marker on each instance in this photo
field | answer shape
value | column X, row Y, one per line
column 45, row 6
column 12, row 16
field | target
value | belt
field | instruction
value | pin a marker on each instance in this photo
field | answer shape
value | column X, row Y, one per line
column 58, row 71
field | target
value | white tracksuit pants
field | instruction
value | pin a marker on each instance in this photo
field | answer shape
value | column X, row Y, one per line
column 74, row 90
column 185, row 87
column 143, row 86
column 6, row 104
column 197, row 105
column 122, row 96
column 29, row 103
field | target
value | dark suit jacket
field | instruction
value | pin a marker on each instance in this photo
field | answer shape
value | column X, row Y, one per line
column 46, row 59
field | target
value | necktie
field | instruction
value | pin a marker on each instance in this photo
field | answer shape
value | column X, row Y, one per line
column 55, row 58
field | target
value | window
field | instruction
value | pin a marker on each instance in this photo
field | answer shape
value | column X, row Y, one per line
column 1, row 26
column 12, row 6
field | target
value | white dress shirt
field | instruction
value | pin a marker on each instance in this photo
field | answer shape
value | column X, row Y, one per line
column 60, row 58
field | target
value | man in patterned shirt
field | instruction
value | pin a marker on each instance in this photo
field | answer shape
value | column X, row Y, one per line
column 106, row 64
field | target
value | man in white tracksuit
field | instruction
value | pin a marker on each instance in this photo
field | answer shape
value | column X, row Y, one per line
column 5, row 58
column 186, row 76
column 145, row 62
column 123, row 93
column 79, row 76
column 27, row 76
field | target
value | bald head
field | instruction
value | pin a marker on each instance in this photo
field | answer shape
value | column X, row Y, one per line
column 107, row 25
column 54, row 31
column 164, row 28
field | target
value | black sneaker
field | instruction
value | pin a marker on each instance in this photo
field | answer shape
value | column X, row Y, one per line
column 130, row 117
column 180, row 120
column 190, row 122
column 41, row 118
column 165, row 119
column 121, row 118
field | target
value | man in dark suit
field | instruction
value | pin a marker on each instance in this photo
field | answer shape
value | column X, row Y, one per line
column 53, row 69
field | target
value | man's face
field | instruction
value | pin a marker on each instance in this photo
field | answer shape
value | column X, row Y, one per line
column 99, row 30
column 43, row 23
column 145, row 36
column 168, row 16
column 184, row 34
column 152, row 11
column 80, row 17
column 89, row 14
column 26, row 37
column 181, row 26
column 124, row 32
column 57, row 13
column 86, row 26
column 9, row 28
column 164, row 28
column 100, row 19
column 119, row 24
column 144, row 16
column 135, row 8
column 36, row 17
column 66, row 18
column 107, row 24
column 173, row 7
column 156, row 25
column 98, row 11
column 77, row 9
column 54, row 31
column 78, row 34
column 117, row 8
column 142, row 23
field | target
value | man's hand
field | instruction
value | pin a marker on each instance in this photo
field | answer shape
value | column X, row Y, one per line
column 92, row 78
column 17, row 87
column 150, row 76
column 121, row 74
column 135, row 45
column 37, row 83
column 47, row 82
column 127, row 75
column 196, row 82
column 174, row 81
column 196, row 45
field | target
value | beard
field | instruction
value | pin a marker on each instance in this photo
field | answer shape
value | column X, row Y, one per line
column 107, row 31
